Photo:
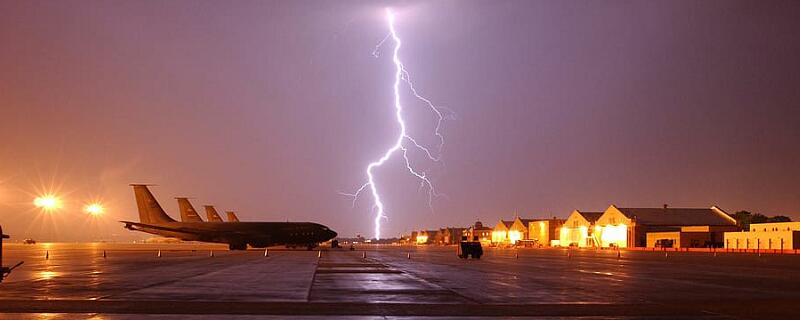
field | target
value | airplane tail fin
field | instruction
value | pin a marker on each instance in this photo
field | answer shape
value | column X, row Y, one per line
column 232, row 216
column 212, row 214
column 188, row 214
column 149, row 209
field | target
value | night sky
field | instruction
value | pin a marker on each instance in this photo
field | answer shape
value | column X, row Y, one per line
column 274, row 108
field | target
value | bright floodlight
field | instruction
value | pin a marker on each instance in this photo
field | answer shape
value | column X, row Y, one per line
column 47, row 202
column 94, row 209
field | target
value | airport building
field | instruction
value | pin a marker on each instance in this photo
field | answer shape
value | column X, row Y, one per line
column 526, row 231
column 426, row 236
column 412, row 239
column 545, row 232
column 519, row 228
column 623, row 227
column 578, row 230
column 442, row 236
column 777, row 235
column 450, row 235
column 478, row 232
column 501, row 231
column 628, row 227
column 690, row 237
column 511, row 232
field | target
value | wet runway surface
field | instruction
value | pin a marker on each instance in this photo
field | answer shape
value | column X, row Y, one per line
column 208, row 281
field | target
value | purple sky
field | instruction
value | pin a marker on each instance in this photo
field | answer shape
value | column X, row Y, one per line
column 273, row 108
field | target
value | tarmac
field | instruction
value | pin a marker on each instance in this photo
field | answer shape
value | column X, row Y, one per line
column 199, row 281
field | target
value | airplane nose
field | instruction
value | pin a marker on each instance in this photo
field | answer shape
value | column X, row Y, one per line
column 332, row 234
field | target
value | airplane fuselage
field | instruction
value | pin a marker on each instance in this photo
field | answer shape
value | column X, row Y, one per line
column 240, row 234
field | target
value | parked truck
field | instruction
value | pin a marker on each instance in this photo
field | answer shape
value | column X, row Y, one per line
column 468, row 248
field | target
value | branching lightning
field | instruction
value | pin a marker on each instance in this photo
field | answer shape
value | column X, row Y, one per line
column 401, row 75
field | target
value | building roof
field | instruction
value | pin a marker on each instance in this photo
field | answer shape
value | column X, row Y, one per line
column 525, row 222
column 678, row 216
column 507, row 223
column 590, row 216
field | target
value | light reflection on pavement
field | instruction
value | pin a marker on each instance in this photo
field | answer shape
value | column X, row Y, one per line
column 539, row 282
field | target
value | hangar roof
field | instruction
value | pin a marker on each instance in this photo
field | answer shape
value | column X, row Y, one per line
column 679, row 216
column 591, row 216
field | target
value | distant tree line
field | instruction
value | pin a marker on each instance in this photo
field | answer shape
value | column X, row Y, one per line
column 745, row 218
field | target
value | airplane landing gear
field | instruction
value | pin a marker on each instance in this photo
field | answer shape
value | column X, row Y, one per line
column 237, row 246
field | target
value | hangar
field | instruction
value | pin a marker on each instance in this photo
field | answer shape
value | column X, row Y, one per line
column 479, row 233
column 502, row 233
column 690, row 237
column 578, row 229
column 628, row 227
column 545, row 232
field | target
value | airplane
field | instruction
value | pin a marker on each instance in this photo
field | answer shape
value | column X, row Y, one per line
column 232, row 216
column 212, row 214
column 188, row 214
column 238, row 235
column 5, row 271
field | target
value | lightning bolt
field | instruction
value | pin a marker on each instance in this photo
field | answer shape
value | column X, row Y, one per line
column 401, row 75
